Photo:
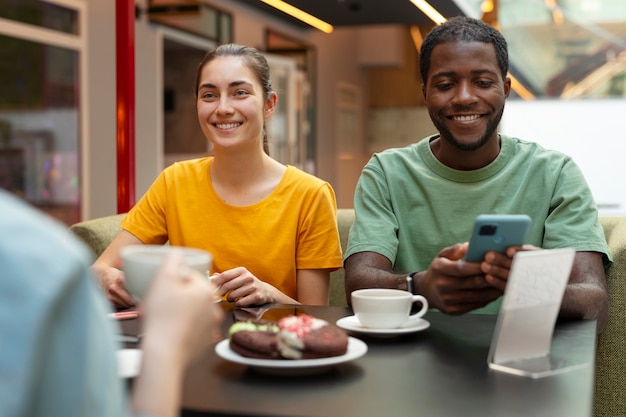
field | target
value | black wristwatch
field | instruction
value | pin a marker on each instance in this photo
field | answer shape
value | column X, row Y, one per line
column 409, row 282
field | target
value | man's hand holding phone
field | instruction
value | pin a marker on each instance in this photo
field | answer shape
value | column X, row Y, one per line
column 495, row 239
column 496, row 266
column 465, row 276
column 454, row 286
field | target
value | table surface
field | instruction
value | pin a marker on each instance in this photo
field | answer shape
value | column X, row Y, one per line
column 442, row 370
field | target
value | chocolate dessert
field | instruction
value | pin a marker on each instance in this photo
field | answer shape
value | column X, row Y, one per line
column 293, row 337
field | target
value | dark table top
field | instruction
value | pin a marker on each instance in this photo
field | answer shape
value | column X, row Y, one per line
column 440, row 371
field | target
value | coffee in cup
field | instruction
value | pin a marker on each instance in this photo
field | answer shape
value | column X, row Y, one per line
column 383, row 308
column 140, row 264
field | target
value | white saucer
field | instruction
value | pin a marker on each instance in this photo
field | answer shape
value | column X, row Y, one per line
column 353, row 324
column 288, row 367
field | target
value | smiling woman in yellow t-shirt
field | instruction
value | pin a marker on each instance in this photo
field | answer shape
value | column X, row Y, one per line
column 271, row 228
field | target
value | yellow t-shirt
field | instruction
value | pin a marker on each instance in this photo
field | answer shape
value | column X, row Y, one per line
column 295, row 227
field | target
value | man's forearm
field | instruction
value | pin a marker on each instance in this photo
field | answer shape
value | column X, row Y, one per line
column 363, row 274
column 587, row 302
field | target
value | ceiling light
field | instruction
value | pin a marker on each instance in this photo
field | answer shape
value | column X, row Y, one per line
column 417, row 38
column 486, row 6
column 428, row 10
column 300, row 15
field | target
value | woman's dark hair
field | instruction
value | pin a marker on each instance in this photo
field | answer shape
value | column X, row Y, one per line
column 254, row 60
column 463, row 29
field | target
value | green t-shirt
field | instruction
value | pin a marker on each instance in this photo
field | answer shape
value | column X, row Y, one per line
column 409, row 205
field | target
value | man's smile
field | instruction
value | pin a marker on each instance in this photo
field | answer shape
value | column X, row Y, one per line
column 465, row 117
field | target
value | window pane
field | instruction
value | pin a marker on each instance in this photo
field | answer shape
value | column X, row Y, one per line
column 567, row 48
column 39, row 126
column 40, row 13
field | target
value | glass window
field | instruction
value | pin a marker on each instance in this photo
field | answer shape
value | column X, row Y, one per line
column 200, row 20
column 567, row 48
column 39, row 119
column 40, row 13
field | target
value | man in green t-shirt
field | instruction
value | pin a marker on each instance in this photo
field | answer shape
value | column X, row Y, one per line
column 415, row 206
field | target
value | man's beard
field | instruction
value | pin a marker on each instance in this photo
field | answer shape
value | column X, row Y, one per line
column 447, row 135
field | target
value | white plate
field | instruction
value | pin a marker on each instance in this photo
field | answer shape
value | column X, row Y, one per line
column 128, row 362
column 353, row 324
column 356, row 349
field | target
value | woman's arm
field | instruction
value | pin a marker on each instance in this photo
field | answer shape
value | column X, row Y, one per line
column 313, row 286
column 180, row 321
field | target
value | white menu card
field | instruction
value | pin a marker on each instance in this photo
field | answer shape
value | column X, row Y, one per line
column 532, row 299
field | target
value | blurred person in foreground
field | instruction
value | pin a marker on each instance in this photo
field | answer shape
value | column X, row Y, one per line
column 57, row 344
column 415, row 206
column 271, row 228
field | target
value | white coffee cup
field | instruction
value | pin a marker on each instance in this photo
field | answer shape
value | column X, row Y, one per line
column 383, row 308
column 140, row 264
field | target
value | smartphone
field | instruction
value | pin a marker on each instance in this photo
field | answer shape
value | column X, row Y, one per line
column 496, row 232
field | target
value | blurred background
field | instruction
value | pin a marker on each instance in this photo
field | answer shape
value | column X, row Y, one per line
column 346, row 89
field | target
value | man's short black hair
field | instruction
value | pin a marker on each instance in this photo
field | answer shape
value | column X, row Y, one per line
column 463, row 29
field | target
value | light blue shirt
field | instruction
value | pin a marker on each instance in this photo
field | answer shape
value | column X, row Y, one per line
column 57, row 345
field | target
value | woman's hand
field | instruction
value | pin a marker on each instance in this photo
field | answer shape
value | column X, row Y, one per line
column 180, row 321
column 111, row 281
column 240, row 286
column 180, row 309
column 107, row 269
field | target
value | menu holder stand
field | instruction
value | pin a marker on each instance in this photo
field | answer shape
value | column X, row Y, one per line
column 525, row 325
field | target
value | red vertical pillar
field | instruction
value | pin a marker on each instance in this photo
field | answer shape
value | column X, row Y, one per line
column 125, row 109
